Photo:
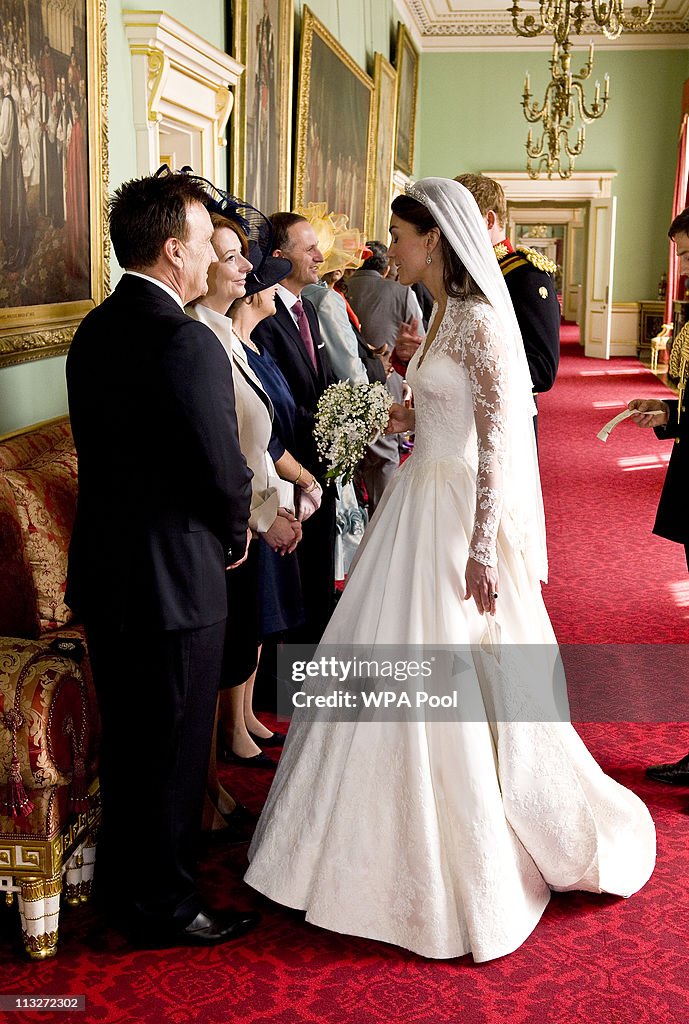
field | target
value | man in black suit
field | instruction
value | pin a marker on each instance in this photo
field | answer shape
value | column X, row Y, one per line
column 293, row 339
column 162, row 513
column 669, row 420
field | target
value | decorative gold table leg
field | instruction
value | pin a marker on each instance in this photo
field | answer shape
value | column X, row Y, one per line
column 73, row 871
column 89, row 855
column 39, row 909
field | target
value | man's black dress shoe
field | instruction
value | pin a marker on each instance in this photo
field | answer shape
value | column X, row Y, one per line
column 206, row 929
column 275, row 740
column 676, row 774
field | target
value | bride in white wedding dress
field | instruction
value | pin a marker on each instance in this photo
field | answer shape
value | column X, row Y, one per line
column 447, row 837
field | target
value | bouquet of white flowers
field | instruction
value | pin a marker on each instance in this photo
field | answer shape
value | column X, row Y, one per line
column 349, row 417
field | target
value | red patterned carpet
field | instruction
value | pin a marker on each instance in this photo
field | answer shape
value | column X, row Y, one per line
column 591, row 959
column 611, row 580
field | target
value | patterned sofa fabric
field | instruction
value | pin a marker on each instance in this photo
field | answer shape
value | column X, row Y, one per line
column 52, row 704
column 38, row 465
column 45, row 494
column 18, row 606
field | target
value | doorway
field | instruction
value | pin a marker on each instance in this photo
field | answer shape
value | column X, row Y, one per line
column 559, row 232
column 580, row 211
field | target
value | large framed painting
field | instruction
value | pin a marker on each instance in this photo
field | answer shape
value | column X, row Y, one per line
column 334, row 127
column 263, row 38
column 385, row 93
column 54, row 249
column 407, row 63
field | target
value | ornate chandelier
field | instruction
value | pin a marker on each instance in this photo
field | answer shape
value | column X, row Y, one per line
column 563, row 109
column 562, row 16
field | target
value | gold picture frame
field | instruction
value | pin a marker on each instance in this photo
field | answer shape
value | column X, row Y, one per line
column 263, row 41
column 334, row 127
column 67, row 262
column 385, row 113
column 407, row 65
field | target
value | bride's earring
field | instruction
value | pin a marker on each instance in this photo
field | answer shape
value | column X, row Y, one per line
column 429, row 259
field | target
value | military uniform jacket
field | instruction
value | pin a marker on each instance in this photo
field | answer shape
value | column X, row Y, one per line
column 672, row 521
column 532, row 290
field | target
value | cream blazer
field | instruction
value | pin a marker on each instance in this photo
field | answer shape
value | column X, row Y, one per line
column 254, row 420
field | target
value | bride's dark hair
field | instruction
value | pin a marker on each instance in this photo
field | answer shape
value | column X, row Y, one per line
column 459, row 283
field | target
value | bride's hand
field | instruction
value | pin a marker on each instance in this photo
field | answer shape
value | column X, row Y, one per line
column 482, row 585
column 401, row 419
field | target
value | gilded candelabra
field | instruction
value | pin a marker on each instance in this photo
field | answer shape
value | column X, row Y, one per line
column 562, row 16
column 562, row 110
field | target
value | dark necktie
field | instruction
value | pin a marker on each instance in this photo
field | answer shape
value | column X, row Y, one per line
column 305, row 331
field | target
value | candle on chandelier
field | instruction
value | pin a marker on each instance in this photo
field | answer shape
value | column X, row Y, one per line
column 606, row 86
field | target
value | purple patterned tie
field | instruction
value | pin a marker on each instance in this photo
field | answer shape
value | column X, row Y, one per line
column 305, row 331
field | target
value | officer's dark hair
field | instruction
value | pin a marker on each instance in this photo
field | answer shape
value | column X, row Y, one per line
column 145, row 212
column 378, row 260
column 680, row 225
column 459, row 284
column 488, row 193
column 282, row 222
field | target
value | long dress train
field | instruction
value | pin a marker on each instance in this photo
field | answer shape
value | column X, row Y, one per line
column 446, row 837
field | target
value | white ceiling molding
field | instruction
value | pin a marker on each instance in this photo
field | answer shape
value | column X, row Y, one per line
column 452, row 26
column 182, row 94
column 582, row 186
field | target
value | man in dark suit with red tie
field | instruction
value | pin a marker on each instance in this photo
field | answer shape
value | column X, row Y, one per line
column 162, row 514
column 293, row 339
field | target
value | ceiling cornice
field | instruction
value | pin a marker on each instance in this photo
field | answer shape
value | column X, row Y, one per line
column 438, row 26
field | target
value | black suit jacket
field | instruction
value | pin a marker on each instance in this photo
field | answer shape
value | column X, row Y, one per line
column 281, row 338
column 538, row 314
column 672, row 521
column 164, row 490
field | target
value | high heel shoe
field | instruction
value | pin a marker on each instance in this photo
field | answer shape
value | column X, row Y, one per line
column 259, row 760
column 225, row 753
column 274, row 740
column 237, row 830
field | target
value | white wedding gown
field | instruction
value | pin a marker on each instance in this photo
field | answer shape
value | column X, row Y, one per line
column 444, row 837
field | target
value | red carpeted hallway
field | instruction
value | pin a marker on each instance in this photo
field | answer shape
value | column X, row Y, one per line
column 592, row 959
column 611, row 579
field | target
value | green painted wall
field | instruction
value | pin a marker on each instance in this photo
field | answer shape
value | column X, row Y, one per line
column 483, row 128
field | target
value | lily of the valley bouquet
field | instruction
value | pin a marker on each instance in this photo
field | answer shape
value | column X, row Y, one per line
column 348, row 418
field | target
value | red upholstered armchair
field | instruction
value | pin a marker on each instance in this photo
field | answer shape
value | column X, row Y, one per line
column 49, row 808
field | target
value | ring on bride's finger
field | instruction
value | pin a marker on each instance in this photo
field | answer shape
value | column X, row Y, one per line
column 494, row 596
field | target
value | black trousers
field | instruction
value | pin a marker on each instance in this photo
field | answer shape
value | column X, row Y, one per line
column 157, row 692
column 316, row 555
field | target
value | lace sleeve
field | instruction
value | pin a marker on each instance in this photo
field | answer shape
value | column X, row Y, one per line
column 485, row 356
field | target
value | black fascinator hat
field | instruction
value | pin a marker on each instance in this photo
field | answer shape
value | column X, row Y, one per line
column 267, row 269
